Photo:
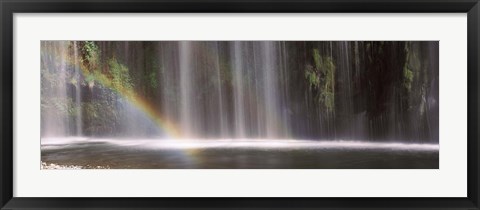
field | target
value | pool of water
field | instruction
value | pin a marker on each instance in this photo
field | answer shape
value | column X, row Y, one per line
column 87, row 153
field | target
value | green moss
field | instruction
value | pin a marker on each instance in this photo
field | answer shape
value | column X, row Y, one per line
column 407, row 78
column 412, row 65
column 121, row 79
column 152, row 79
column 321, row 79
column 91, row 54
column 312, row 78
column 89, row 78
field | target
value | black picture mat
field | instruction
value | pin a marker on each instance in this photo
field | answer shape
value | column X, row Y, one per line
column 8, row 8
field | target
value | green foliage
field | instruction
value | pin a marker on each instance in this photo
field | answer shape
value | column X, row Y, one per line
column 91, row 54
column 121, row 79
column 412, row 65
column 407, row 78
column 156, row 72
column 321, row 79
column 152, row 79
column 89, row 78
column 311, row 76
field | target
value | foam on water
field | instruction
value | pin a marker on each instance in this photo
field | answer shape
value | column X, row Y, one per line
column 242, row 143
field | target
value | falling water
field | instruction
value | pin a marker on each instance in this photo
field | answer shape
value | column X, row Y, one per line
column 344, row 88
column 221, row 112
column 54, row 63
column 255, row 89
column 239, row 97
column 167, row 90
column 270, row 71
column 185, row 55
column 78, row 86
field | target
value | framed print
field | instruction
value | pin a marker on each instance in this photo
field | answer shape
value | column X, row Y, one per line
column 239, row 105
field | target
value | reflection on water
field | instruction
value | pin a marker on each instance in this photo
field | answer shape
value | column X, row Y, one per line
column 236, row 154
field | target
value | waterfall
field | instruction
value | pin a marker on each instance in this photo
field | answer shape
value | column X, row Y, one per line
column 221, row 110
column 344, row 88
column 186, row 84
column 284, row 84
column 270, row 91
column 78, row 87
column 365, row 90
column 54, row 63
column 238, row 89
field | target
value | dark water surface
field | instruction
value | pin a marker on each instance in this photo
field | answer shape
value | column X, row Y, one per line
column 238, row 154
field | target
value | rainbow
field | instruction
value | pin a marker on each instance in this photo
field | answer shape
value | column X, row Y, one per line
column 168, row 127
